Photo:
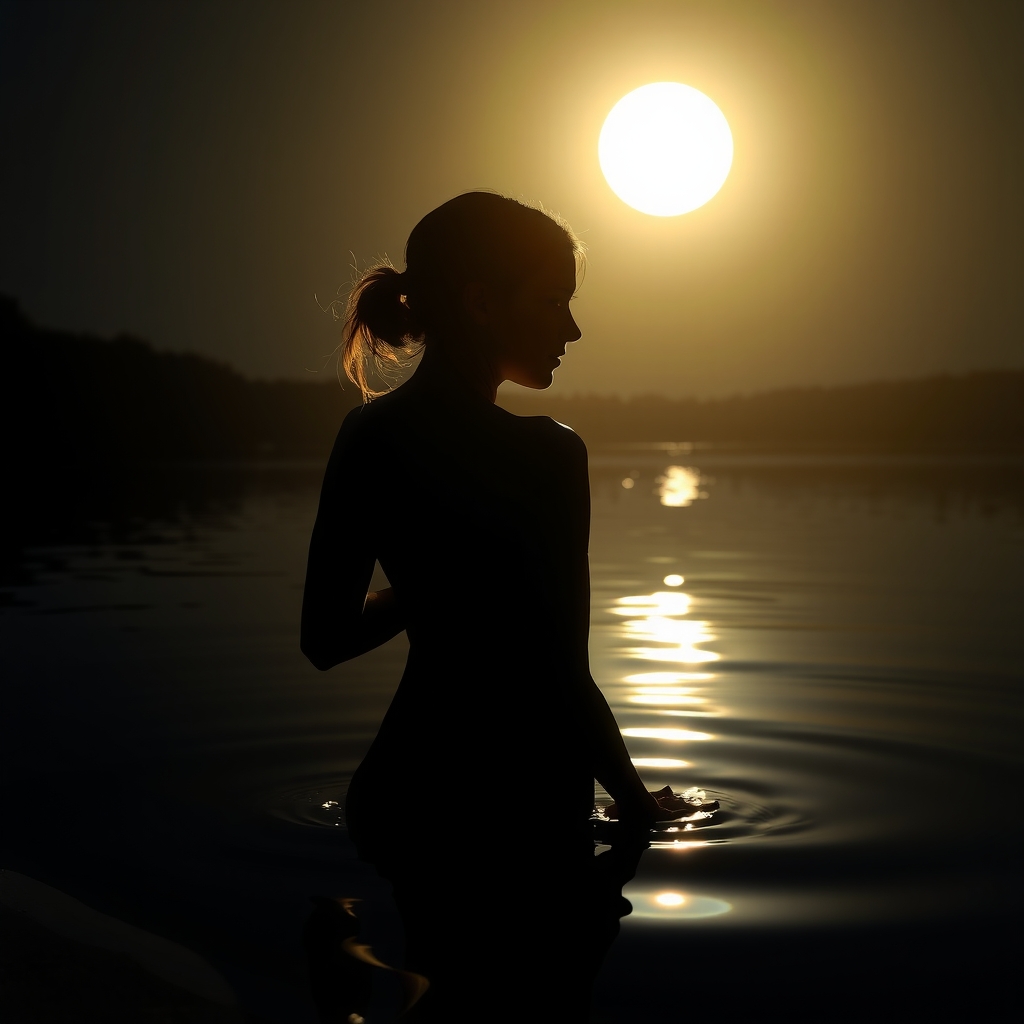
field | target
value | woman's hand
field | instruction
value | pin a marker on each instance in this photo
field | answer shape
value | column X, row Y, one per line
column 663, row 805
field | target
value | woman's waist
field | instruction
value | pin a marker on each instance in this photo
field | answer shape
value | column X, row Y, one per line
column 524, row 782
column 486, row 617
column 496, row 653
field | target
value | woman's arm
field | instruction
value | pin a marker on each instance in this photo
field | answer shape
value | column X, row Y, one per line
column 340, row 620
column 612, row 765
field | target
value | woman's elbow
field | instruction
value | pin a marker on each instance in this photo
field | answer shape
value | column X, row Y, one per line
column 317, row 653
column 316, row 658
column 321, row 662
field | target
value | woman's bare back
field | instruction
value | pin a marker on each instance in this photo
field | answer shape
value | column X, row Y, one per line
column 480, row 521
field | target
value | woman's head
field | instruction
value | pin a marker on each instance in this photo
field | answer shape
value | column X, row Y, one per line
column 487, row 278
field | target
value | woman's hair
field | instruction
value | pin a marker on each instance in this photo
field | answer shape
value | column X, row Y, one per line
column 477, row 236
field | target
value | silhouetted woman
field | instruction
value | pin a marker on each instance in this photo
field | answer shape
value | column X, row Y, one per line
column 475, row 796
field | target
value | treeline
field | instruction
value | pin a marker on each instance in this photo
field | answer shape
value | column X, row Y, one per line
column 977, row 412
column 77, row 399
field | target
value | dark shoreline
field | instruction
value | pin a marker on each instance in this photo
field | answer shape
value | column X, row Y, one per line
column 80, row 400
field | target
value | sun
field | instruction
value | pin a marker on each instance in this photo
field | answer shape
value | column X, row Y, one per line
column 665, row 149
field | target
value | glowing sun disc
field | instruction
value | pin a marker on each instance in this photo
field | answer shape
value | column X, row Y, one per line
column 665, row 149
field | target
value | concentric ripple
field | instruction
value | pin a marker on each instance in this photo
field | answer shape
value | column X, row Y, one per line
column 738, row 817
column 317, row 800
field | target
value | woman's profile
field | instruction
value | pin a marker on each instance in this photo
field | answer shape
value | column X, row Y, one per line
column 480, row 520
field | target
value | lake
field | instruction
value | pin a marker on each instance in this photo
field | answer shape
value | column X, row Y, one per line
column 830, row 646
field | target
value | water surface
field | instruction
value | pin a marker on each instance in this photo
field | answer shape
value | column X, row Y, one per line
column 831, row 647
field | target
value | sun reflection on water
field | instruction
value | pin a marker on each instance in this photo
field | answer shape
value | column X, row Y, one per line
column 679, row 486
column 644, row 678
column 664, row 697
column 659, row 762
column 666, row 734
column 664, row 602
column 670, row 899
column 659, row 631
column 657, row 619
column 675, row 906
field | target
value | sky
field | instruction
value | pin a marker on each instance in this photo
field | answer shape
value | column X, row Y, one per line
column 206, row 175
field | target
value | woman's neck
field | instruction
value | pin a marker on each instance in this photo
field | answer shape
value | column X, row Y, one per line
column 438, row 368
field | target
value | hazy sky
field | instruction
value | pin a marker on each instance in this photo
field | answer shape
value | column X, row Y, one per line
column 199, row 174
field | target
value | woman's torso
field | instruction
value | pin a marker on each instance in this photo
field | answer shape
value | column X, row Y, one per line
column 479, row 520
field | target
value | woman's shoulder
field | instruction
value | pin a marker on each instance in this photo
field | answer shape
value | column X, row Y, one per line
column 564, row 437
column 363, row 430
column 371, row 418
column 397, row 419
column 558, row 438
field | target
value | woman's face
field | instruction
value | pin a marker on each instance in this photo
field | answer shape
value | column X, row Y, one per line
column 530, row 328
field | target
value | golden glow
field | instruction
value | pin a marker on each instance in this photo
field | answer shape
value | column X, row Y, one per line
column 659, row 762
column 670, row 899
column 655, row 678
column 662, row 603
column 678, row 487
column 664, row 693
column 664, row 698
column 673, row 579
column 656, row 618
column 673, row 906
column 680, row 634
column 656, row 624
column 665, row 602
column 665, row 734
column 665, row 149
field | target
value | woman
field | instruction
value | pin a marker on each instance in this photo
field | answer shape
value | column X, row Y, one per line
column 480, row 520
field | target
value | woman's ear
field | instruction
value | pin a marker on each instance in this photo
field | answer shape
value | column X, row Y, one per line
column 478, row 302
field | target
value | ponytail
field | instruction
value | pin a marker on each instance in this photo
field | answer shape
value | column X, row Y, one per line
column 379, row 326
